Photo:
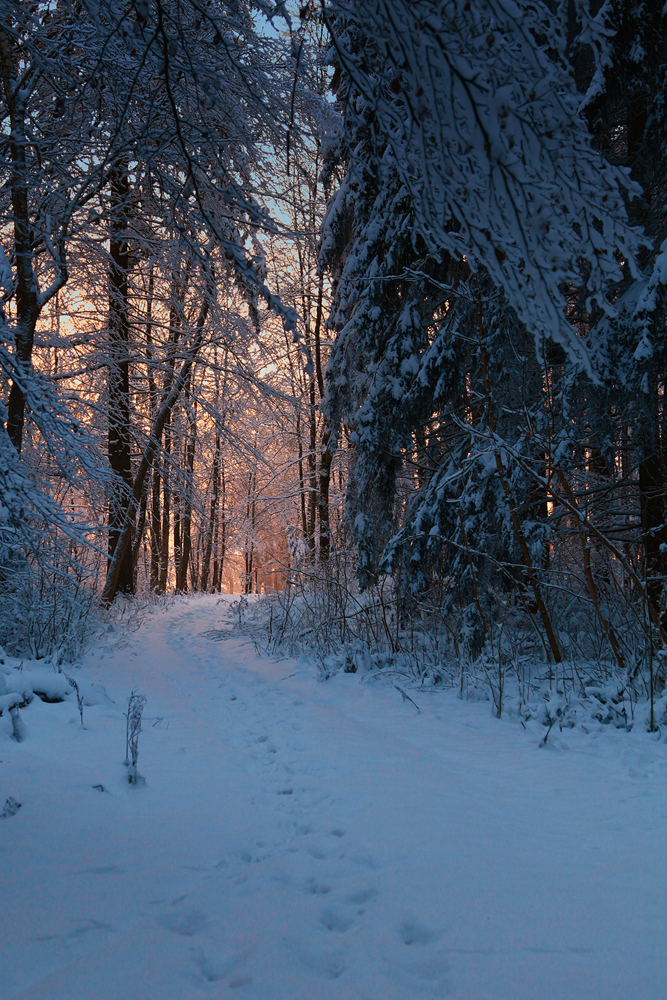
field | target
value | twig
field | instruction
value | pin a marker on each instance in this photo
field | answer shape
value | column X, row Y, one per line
column 543, row 742
column 406, row 697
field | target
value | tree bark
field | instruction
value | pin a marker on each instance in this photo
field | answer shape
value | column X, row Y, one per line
column 156, row 527
column 326, row 451
column 220, row 534
column 29, row 301
column 211, row 527
column 654, row 531
column 312, row 469
column 531, row 572
column 250, row 534
column 119, row 444
column 326, row 458
column 186, row 512
column 166, row 508
column 302, row 483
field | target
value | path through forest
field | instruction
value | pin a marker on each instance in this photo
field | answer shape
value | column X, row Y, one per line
column 306, row 841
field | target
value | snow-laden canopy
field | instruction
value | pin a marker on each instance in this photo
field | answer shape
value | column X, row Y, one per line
column 473, row 104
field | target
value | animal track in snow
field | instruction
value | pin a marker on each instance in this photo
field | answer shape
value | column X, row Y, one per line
column 322, row 964
column 239, row 981
column 368, row 861
column 184, row 924
column 315, row 888
column 208, row 970
column 334, row 921
column 412, row 933
column 361, row 897
column 249, row 858
column 90, row 927
column 419, row 960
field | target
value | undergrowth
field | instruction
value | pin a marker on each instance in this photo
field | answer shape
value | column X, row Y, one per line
column 344, row 631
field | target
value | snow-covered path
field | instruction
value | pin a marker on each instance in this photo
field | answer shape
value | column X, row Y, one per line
column 297, row 840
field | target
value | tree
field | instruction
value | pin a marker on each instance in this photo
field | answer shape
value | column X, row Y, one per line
column 474, row 203
column 626, row 111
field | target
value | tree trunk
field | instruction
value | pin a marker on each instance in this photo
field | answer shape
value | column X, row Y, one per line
column 250, row 534
column 208, row 544
column 139, row 536
column 29, row 302
column 312, row 469
column 220, row 535
column 166, row 510
column 326, row 451
column 186, row 518
column 120, row 499
column 156, row 528
column 155, row 520
column 654, row 532
column 177, row 539
column 302, row 483
column 531, row 571
column 326, row 458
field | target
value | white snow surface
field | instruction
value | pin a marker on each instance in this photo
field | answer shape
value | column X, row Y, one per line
column 298, row 840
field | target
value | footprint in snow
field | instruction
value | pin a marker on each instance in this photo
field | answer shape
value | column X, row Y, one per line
column 90, row 927
column 321, row 964
column 184, row 924
column 254, row 857
column 361, row 897
column 315, row 888
column 208, row 969
column 421, row 962
column 332, row 920
column 213, row 968
column 368, row 861
column 413, row 933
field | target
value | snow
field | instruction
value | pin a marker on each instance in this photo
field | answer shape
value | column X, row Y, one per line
column 482, row 126
column 299, row 840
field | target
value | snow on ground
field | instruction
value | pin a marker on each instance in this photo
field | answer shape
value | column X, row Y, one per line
column 298, row 840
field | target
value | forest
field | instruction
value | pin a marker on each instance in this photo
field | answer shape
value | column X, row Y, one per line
column 333, row 499
column 358, row 306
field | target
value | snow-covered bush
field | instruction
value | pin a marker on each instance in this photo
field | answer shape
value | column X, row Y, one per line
column 42, row 614
column 372, row 633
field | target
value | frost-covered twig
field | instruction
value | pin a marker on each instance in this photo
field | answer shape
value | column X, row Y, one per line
column 133, row 715
column 406, row 697
column 10, row 808
column 79, row 697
